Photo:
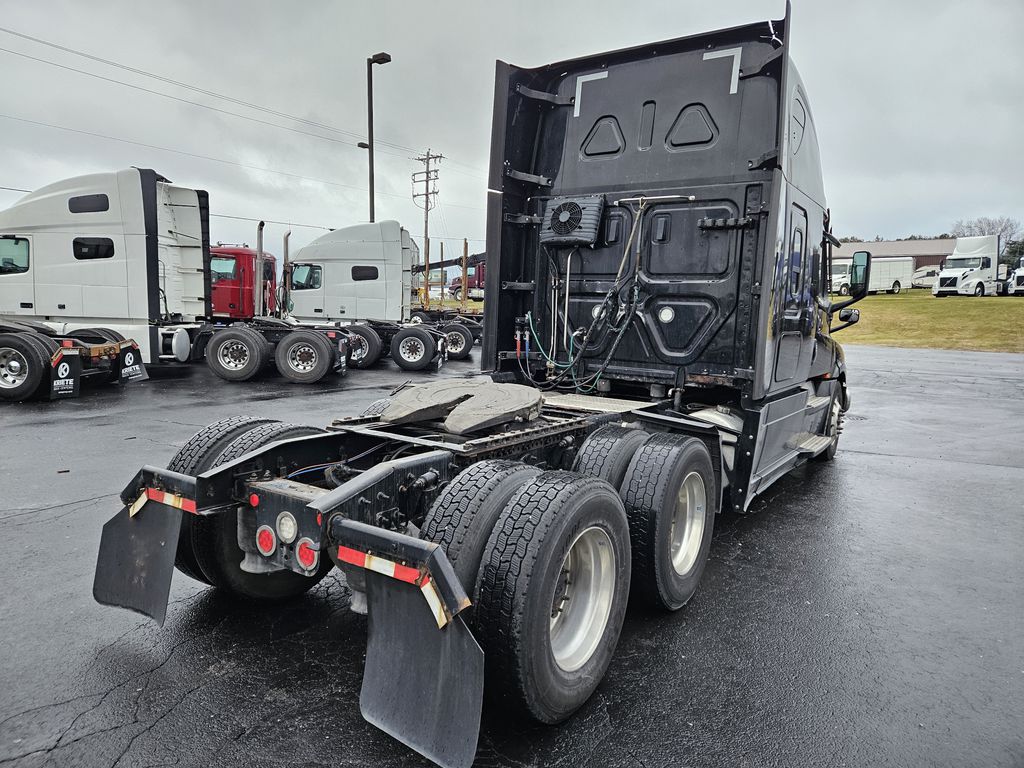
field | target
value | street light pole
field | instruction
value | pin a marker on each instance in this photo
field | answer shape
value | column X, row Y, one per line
column 377, row 58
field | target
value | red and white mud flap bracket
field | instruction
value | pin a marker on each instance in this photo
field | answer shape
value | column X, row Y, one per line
column 137, row 548
column 424, row 677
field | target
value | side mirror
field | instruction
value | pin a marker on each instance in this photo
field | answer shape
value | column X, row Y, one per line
column 847, row 317
column 860, row 275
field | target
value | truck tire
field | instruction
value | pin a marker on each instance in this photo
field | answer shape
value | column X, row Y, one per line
column 671, row 499
column 413, row 348
column 419, row 317
column 462, row 517
column 196, row 456
column 896, row 287
column 107, row 334
column 236, row 353
column 23, row 365
column 979, row 289
column 304, row 357
column 606, row 453
column 459, row 340
column 215, row 539
column 457, row 294
column 844, row 290
column 833, row 428
column 553, row 588
column 366, row 347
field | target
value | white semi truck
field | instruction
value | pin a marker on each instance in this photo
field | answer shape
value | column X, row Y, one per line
column 972, row 268
column 1015, row 285
column 125, row 251
column 890, row 274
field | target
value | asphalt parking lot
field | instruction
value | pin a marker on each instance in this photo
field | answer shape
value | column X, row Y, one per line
column 869, row 613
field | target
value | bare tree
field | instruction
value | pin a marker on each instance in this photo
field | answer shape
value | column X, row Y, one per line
column 1008, row 229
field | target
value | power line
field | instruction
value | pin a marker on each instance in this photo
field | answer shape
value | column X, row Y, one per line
column 193, row 154
column 269, row 221
column 342, row 142
column 200, row 157
column 206, row 92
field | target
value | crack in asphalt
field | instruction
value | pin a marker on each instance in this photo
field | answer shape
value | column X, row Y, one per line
column 22, row 511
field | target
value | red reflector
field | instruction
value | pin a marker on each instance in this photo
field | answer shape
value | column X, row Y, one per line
column 319, row 519
column 331, row 335
column 265, row 540
column 254, row 500
column 67, row 343
column 306, row 555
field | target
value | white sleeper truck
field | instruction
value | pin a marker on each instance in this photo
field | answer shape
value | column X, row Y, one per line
column 971, row 269
column 126, row 251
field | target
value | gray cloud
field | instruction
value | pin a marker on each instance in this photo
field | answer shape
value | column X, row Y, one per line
column 918, row 104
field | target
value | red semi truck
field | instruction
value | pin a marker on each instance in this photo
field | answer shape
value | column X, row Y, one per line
column 232, row 291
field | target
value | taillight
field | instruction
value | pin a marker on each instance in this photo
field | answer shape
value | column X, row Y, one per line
column 266, row 541
column 287, row 527
column 306, row 555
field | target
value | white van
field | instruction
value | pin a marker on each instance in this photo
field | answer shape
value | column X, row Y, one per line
column 890, row 274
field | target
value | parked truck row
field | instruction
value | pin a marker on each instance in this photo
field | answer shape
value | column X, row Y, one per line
column 127, row 254
column 661, row 346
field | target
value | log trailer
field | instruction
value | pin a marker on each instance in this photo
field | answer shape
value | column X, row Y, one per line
column 659, row 338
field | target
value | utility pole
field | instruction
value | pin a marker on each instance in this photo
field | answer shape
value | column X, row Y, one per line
column 427, row 177
column 465, row 272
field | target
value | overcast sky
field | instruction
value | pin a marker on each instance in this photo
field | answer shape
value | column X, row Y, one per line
column 919, row 104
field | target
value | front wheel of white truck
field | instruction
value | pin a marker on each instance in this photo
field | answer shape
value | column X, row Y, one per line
column 552, row 592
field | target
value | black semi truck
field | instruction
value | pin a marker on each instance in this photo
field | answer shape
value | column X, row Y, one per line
column 659, row 337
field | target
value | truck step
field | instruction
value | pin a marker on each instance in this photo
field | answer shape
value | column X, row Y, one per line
column 813, row 444
column 814, row 403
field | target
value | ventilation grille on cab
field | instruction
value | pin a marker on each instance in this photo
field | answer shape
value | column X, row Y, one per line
column 571, row 220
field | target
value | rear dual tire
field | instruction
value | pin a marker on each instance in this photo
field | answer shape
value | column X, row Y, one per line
column 237, row 353
column 24, row 365
column 365, row 346
column 545, row 558
column 458, row 341
column 208, row 548
column 304, row 357
column 413, row 348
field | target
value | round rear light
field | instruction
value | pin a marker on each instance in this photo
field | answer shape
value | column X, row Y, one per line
column 287, row 528
column 306, row 555
column 266, row 542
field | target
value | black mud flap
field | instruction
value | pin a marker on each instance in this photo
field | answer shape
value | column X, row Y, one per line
column 136, row 559
column 130, row 365
column 65, row 374
column 422, row 685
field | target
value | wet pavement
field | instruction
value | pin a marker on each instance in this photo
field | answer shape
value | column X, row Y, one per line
column 869, row 613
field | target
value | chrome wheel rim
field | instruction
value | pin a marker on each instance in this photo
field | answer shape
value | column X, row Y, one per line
column 357, row 348
column 688, row 523
column 411, row 349
column 456, row 342
column 13, row 368
column 233, row 354
column 302, row 358
column 582, row 599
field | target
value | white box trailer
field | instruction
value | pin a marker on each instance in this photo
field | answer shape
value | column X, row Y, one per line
column 972, row 268
column 128, row 251
column 891, row 274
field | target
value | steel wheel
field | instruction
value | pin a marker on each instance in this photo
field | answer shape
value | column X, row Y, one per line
column 582, row 600
column 302, row 358
column 411, row 349
column 688, row 523
column 357, row 348
column 13, row 368
column 455, row 342
column 233, row 355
